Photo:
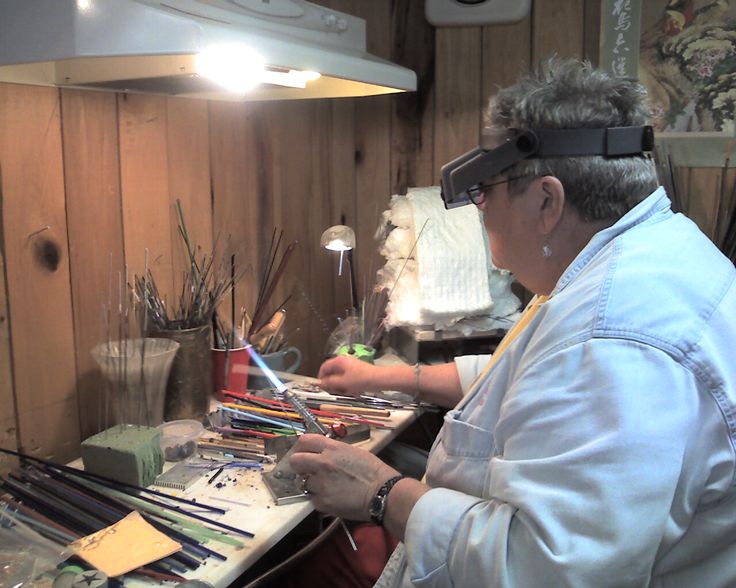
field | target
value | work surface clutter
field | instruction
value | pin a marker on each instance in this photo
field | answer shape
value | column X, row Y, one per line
column 183, row 500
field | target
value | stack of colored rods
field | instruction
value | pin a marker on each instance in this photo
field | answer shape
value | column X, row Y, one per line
column 232, row 445
column 277, row 412
column 65, row 504
column 262, row 422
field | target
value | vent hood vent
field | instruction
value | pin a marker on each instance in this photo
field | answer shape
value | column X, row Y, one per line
column 194, row 48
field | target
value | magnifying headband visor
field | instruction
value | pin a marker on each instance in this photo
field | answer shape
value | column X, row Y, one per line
column 491, row 158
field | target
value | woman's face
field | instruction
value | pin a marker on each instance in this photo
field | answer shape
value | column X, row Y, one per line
column 508, row 221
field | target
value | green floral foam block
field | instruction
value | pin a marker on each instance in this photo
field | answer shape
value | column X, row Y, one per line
column 127, row 453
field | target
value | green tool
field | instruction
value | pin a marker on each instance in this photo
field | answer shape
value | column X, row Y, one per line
column 363, row 352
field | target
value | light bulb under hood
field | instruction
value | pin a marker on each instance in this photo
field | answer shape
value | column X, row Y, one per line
column 156, row 46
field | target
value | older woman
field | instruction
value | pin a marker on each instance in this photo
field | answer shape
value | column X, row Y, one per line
column 596, row 446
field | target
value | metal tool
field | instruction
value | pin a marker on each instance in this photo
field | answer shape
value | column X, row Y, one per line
column 180, row 477
column 282, row 481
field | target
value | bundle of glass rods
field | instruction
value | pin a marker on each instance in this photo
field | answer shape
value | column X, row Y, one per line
column 65, row 504
column 374, row 316
column 201, row 293
column 204, row 286
column 268, row 281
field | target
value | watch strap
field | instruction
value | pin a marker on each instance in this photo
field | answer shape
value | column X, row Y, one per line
column 380, row 499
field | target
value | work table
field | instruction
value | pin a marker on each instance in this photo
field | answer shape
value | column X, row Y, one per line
column 252, row 508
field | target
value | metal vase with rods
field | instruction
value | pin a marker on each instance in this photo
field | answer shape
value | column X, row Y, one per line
column 188, row 321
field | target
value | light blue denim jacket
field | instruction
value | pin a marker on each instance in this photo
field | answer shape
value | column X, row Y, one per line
column 599, row 449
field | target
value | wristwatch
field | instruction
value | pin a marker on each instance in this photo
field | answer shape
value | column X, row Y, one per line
column 377, row 505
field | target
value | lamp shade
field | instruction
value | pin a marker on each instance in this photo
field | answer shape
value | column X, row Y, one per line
column 338, row 238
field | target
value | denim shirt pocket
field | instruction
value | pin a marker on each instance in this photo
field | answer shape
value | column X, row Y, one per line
column 461, row 457
column 437, row 578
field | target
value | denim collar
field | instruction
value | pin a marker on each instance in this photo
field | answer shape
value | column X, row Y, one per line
column 656, row 206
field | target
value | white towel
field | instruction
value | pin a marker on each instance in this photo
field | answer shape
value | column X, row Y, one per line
column 449, row 279
column 452, row 256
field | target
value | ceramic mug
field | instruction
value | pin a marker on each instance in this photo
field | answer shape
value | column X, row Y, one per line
column 287, row 360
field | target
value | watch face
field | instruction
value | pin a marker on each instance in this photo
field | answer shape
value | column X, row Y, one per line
column 375, row 507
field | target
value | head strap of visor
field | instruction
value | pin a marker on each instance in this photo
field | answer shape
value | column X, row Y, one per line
column 488, row 161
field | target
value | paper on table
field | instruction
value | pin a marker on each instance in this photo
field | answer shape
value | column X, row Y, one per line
column 125, row 546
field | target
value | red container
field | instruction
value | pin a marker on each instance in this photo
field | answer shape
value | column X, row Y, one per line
column 229, row 371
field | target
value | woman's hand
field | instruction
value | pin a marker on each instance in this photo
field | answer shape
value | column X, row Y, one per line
column 341, row 479
column 347, row 375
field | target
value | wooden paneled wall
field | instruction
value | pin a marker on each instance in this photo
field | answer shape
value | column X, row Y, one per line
column 88, row 182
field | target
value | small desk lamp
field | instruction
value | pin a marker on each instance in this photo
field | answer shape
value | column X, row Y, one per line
column 342, row 238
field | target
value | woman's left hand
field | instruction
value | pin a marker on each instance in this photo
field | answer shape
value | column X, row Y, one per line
column 341, row 479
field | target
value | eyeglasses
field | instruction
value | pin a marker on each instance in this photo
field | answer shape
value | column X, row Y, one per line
column 477, row 193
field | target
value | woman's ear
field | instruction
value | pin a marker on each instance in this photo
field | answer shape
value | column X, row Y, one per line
column 550, row 202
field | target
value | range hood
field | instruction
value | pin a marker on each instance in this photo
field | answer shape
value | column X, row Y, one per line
column 171, row 47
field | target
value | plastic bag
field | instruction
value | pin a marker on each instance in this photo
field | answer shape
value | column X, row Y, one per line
column 24, row 554
column 347, row 333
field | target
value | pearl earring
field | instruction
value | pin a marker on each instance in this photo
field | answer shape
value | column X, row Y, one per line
column 546, row 251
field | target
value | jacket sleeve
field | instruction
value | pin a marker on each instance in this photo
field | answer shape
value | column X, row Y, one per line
column 589, row 448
